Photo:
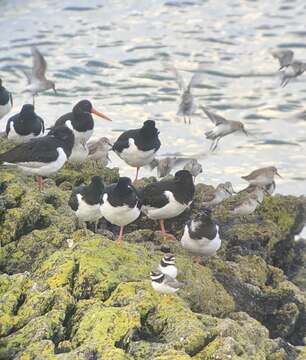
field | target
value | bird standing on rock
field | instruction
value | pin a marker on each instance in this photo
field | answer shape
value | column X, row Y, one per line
column 81, row 122
column 42, row 156
column 6, row 100
column 168, row 198
column 201, row 235
column 121, row 204
column 24, row 126
column 86, row 201
column 138, row 147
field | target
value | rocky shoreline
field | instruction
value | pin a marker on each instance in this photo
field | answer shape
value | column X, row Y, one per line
column 68, row 295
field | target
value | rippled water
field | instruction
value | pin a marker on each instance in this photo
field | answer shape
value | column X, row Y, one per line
column 113, row 53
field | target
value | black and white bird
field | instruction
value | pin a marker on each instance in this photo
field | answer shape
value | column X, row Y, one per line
column 86, row 201
column 201, row 235
column 138, row 147
column 41, row 156
column 80, row 120
column 37, row 80
column 167, row 265
column 121, row 204
column 163, row 283
column 24, row 126
column 187, row 104
column 168, row 198
column 6, row 100
column 222, row 128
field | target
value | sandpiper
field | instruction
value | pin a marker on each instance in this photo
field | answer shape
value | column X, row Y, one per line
column 98, row 151
column 86, row 201
column 24, row 126
column 37, row 79
column 163, row 283
column 222, row 192
column 138, row 147
column 222, row 128
column 187, row 104
column 201, row 235
column 285, row 57
column 121, row 204
column 6, row 100
column 41, row 156
column 168, row 198
column 167, row 265
column 262, row 177
column 246, row 206
column 194, row 167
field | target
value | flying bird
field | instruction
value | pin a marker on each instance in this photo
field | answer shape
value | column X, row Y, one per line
column 222, row 128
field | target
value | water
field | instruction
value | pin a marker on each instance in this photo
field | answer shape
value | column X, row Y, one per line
column 114, row 53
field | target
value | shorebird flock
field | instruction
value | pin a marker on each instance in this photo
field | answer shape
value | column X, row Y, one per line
column 42, row 152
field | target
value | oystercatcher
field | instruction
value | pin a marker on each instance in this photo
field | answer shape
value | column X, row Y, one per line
column 86, row 201
column 168, row 198
column 6, row 100
column 25, row 125
column 121, row 204
column 138, row 147
column 42, row 156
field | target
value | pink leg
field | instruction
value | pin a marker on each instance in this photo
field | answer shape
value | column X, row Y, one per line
column 40, row 182
column 137, row 172
column 120, row 237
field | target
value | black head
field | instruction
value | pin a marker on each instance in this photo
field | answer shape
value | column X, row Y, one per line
column 83, row 106
column 203, row 214
column 183, row 176
column 97, row 181
column 27, row 112
column 149, row 129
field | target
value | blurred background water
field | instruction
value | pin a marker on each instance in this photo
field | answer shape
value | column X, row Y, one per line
column 114, row 53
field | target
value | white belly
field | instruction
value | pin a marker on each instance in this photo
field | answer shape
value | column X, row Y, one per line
column 87, row 212
column 162, row 288
column 43, row 169
column 136, row 158
column 172, row 209
column 121, row 215
column 20, row 139
column 170, row 270
column 79, row 153
column 203, row 246
column 5, row 109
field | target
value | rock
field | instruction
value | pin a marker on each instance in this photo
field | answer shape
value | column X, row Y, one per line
column 67, row 294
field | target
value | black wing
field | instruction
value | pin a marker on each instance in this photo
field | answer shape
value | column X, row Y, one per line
column 62, row 120
column 123, row 140
column 37, row 150
column 154, row 194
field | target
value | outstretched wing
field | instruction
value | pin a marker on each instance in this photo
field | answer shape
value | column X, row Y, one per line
column 214, row 118
column 39, row 64
column 178, row 78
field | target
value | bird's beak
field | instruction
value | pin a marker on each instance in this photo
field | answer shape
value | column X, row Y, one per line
column 278, row 174
column 94, row 111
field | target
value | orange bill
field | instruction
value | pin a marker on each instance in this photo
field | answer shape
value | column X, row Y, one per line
column 94, row 111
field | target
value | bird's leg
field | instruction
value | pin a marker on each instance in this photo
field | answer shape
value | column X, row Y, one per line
column 40, row 182
column 120, row 237
column 137, row 172
column 216, row 144
column 163, row 231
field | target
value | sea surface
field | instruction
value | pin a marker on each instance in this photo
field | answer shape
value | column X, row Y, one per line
column 116, row 54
